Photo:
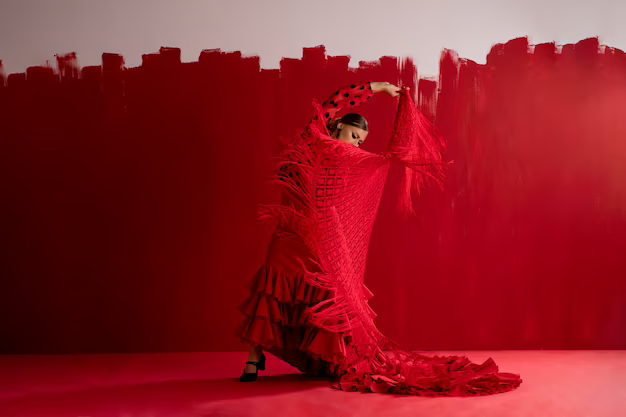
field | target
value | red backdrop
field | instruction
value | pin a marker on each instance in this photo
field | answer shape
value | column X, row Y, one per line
column 129, row 199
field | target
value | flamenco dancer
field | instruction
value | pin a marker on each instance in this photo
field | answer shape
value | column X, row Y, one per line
column 308, row 304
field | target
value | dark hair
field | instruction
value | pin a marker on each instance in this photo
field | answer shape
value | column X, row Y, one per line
column 352, row 119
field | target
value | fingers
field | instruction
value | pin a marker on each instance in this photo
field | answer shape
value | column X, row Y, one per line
column 398, row 90
column 393, row 90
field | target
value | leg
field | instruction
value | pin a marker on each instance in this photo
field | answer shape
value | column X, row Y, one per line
column 255, row 355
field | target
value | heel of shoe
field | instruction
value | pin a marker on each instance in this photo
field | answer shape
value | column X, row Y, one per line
column 248, row 377
column 251, row 377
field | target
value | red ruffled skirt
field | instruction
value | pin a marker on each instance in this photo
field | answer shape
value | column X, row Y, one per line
column 274, row 311
column 274, row 319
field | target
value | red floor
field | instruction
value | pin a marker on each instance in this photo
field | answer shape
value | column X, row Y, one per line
column 556, row 383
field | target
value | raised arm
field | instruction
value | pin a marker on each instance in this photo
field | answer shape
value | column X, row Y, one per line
column 353, row 95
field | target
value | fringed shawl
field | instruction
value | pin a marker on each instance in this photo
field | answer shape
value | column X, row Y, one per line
column 333, row 198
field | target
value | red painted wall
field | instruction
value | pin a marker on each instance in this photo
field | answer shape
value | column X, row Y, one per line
column 130, row 198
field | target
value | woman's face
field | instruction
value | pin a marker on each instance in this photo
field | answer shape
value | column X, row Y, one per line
column 350, row 134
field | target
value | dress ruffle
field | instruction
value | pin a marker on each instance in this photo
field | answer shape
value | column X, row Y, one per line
column 275, row 320
column 275, row 315
column 431, row 376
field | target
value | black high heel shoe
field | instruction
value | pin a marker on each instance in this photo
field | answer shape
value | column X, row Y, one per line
column 249, row 376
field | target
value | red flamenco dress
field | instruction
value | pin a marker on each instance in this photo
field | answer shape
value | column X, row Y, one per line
column 308, row 304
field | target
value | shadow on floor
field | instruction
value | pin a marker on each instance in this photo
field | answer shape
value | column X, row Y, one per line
column 171, row 396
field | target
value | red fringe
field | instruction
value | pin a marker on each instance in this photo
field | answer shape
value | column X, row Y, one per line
column 334, row 197
column 417, row 144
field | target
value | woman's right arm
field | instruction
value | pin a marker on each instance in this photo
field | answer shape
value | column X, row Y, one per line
column 348, row 96
column 353, row 95
column 390, row 89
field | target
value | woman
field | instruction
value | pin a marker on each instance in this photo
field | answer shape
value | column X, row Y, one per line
column 353, row 129
column 308, row 304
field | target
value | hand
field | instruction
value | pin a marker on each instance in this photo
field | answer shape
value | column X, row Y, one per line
column 388, row 88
